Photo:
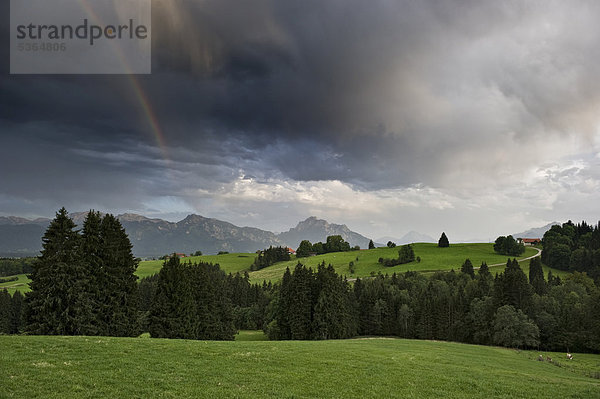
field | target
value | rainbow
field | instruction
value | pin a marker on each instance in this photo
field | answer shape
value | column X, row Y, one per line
column 139, row 92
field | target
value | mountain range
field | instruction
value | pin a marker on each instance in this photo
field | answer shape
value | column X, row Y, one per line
column 408, row 238
column 156, row 237
column 535, row 232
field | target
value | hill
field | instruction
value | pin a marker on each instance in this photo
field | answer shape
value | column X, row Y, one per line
column 432, row 259
column 366, row 262
column 102, row 367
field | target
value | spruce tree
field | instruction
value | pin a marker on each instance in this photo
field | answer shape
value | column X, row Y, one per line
column 300, row 303
column 467, row 268
column 484, row 280
column 443, row 241
column 283, row 314
column 214, row 317
column 371, row 244
column 17, row 306
column 536, row 276
column 58, row 303
column 119, row 288
column 5, row 312
column 173, row 311
column 93, row 265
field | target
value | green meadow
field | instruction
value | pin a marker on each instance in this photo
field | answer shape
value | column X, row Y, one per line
column 101, row 367
column 366, row 263
column 21, row 284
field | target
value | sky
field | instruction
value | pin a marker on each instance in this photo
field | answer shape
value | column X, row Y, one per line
column 477, row 118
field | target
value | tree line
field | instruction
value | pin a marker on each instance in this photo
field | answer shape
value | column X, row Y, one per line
column 406, row 254
column 573, row 247
column 84, row 284
column 333, row 243
column 508, row 246
column 10, row 267
column 270, row 256
column 507, row 309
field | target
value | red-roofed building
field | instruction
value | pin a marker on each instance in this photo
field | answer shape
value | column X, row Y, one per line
column 291, row 251
column 529, row 241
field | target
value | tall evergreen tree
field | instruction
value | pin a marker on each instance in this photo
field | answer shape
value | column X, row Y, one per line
column 536, row 276
column 213, row 318
column 301, row 303
column 371, row 244
column 512, row 287
column 5, row 312
column 17, row 307
column 173, row 311
column 443, row 241
column 484, row 280
column 282, row 329
column 94, row 269
column 467, row 268
column 59, row 303
column 119, row 289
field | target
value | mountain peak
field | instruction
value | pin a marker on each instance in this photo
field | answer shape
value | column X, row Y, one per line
column 315, row 230
column 193, row 218
column 131, row 217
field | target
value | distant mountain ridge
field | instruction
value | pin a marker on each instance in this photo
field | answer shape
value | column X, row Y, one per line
column 315, row 230
column 537, row 232
column 156, row 237
column 408, row 238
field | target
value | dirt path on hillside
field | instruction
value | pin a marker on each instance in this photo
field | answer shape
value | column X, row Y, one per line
column 539, row 253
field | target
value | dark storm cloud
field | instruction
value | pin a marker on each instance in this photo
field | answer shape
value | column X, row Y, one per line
column 378, row 94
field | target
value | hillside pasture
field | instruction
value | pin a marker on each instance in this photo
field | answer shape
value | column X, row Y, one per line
column 21, row 284
column 101, row 367
column 432, row 259
column 366, row 263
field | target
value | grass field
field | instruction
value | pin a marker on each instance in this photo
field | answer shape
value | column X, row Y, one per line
column 99, row 367
column 433, row 259
column 20, row 285
column 230, row 263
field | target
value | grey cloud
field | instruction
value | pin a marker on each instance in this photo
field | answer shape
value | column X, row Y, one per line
column 376, row 94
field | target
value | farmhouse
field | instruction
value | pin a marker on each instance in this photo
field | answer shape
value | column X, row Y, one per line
column 529, row 241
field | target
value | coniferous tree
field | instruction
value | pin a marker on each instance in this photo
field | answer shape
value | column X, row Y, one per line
column 371, row 244
column 17, row 307
column 443, row 241
column 173, row 311
column 5, row 312
column 282, row 326
column 119, row 288
column 536, row 276
column 92, row 263
column 59, row 303
column 484, row 280
column 467, row 268
column 214, row 317
column 300, row 303
column 333, row 315
column 512, row 287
